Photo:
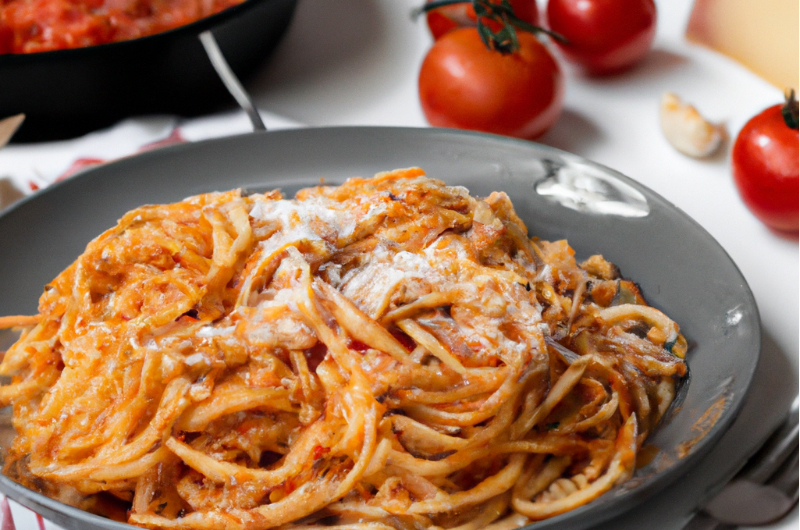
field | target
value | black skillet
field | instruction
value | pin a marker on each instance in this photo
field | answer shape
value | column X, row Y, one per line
column 67, row 93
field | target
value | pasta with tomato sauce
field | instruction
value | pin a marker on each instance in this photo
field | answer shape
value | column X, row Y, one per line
column 388, row 353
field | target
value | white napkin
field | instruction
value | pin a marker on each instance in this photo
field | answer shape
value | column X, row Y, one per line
column 27, row 168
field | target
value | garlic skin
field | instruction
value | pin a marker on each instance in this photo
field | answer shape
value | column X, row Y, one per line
column 686, row 130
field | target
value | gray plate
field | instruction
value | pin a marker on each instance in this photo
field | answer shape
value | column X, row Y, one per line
column 681, row 269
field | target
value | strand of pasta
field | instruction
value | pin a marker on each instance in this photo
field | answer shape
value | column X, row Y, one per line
column 620, row 468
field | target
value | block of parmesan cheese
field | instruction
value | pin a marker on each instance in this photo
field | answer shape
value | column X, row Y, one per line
column 761, row 34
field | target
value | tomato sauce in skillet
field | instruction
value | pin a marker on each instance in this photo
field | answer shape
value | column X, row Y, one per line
column 29, row 26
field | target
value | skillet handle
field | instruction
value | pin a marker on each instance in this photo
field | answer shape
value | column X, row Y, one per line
column 230, row 80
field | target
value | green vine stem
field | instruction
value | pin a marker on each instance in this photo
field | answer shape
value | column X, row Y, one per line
column 504, row 40
column 790, row 110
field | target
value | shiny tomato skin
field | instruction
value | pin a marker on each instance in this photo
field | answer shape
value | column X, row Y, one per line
column 605, row 36
column 447, row 18
column 764, row 163
column 464, row 85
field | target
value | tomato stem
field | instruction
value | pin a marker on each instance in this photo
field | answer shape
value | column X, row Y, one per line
column 502, row 14
column 790, row 109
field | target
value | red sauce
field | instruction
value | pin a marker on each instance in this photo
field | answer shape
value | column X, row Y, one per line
column 407, row 342
column 29, row 26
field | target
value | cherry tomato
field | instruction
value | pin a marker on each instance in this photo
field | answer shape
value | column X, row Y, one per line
column 447, row 18
column 604, row 36
column 764, row 163
column 464, row 85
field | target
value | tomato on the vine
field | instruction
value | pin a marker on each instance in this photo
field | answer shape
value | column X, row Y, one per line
column 446, row 18
column 465, row 85
column 765, row 165
column 603, row 36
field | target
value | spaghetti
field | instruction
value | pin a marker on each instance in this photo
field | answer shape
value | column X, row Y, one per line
column 389, row 353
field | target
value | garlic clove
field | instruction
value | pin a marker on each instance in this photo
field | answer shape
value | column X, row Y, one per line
column 686, row 130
